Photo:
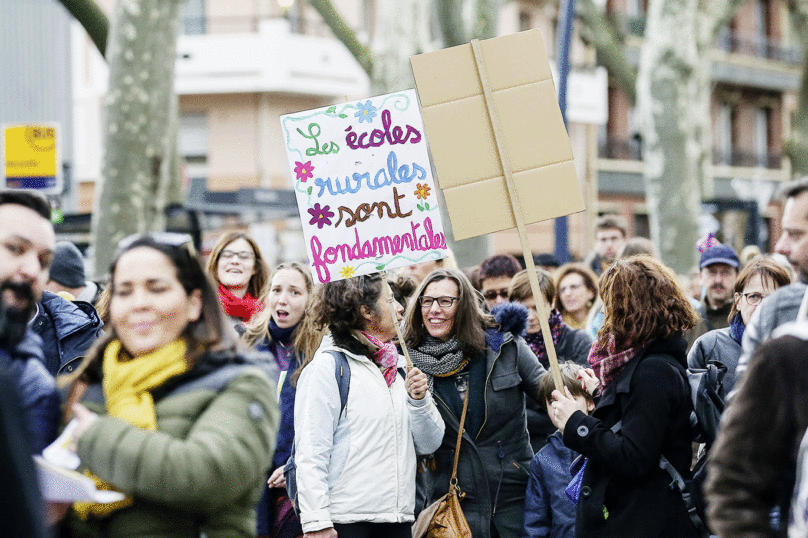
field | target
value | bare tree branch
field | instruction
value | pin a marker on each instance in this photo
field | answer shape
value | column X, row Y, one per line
column 609, row 44
column 720, row 12
column 450, row 19
column 344, row 33
column 94, row 21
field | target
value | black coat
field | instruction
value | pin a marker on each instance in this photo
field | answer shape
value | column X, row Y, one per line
column 624, row 492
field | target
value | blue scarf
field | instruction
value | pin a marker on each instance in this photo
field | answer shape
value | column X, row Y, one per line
column 737, row 328
column 281, row 339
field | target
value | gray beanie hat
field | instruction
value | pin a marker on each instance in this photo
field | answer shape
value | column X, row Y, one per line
column 67, row 268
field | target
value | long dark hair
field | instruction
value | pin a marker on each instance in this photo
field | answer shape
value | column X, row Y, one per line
column 211, row 332
column 470, row 321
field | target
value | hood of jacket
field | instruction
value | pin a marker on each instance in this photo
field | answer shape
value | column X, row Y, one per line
column 512, row 320
column 68, row 316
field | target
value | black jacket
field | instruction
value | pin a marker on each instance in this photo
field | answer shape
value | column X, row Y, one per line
column 624, row 492
column 67, row 329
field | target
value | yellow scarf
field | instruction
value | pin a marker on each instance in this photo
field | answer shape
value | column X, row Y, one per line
column 127, row 389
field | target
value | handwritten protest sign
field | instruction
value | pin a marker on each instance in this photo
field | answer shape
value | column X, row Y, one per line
column 364, row 186
column 513, row 162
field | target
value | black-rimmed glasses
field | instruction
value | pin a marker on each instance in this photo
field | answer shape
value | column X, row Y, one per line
column 753, row 298
column 243, row 256
column 443, row 302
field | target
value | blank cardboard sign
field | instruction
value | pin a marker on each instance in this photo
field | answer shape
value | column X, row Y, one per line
column 462, row 141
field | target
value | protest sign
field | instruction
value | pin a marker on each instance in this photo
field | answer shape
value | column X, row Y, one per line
column 364, row 186
column 499, row 142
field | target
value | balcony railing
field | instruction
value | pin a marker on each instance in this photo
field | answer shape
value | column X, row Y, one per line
column 759, row 46
column 748, row 159
column 250, row 24
column 623, row 149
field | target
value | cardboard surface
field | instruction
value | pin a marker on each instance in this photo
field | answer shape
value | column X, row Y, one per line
column 364, row 186
column 462, row 140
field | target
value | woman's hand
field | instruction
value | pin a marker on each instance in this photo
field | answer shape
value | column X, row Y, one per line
column 563, row 406
column 325, row 533
column 416, row 383
column 85, row 418
column 276, row 479
column 589, row 381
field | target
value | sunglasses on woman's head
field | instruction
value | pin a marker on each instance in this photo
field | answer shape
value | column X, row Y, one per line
column 170, row 239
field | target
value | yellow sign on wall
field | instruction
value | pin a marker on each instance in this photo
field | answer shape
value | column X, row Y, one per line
column 31, row 157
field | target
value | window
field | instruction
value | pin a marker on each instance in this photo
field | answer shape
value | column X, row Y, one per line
column 762, row 136
column 524, row 20
column 192, row 16
column 193, row 144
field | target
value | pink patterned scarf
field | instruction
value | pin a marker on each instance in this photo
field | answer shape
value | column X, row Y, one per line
column 386, row 356
column 608, row 362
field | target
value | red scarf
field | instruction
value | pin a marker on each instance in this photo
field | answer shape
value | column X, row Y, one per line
column 608, row 362
column 244, row 309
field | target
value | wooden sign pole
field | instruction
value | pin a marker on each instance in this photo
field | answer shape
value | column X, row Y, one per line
column 391, row 301
column 518, row 216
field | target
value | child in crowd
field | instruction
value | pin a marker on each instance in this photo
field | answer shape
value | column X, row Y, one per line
column 548, row 510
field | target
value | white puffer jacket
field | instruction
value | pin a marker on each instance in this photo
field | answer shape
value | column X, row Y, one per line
column 360, row 467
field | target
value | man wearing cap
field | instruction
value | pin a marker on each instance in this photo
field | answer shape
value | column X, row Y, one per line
column 67, row 274
column 718, row 269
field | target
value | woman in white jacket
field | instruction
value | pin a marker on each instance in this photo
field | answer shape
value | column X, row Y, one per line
column 356, row 466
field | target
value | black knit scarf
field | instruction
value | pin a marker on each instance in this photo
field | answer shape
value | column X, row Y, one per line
column 437, row 358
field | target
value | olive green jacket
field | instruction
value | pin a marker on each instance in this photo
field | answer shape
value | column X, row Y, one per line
column 202, row 471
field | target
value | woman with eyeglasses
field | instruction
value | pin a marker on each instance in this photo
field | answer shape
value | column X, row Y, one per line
column 576, row 292
column 356, row 465
column 761, row 276
column 171, row 415
column 467, row 353
column 280, row 330
column 237, row 266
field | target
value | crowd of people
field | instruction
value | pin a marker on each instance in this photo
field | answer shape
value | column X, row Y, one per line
column 224, row 398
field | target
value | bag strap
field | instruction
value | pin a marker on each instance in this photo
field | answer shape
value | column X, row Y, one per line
column 453, row 480
column 679, row 483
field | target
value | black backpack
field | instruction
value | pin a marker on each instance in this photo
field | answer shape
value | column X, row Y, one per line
column 707, row 394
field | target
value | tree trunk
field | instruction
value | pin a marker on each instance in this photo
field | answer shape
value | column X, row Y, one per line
column 397, row 37
column 140, row 135
column 796, row 147
column 670, row 89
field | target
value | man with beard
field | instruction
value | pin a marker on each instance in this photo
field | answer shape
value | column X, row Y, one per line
column 782, row 306
column 718, row 270
column 26, row 248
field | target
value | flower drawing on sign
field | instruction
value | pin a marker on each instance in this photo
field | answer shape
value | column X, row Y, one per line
column 366, row 112
column 320, row 216
column 422, row 192
column 347, row 272
column 304, row 171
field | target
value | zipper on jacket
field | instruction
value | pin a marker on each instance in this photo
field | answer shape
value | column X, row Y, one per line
column 485, row 388
column 395, row 425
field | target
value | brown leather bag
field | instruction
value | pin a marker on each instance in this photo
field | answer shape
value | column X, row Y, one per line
column 444, row 518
